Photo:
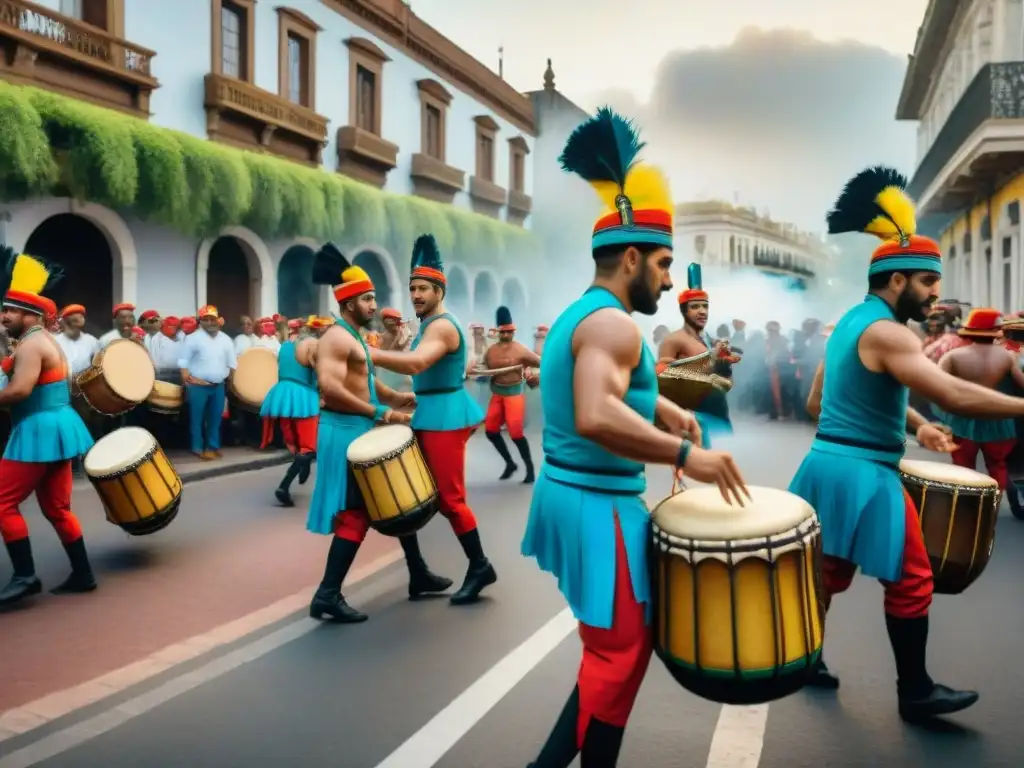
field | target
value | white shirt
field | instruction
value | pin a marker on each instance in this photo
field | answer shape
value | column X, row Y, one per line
column 110, row 336
column 166, row 352
column 79, row 352
column 269, row 342
column 243, row 342
column 206, row 357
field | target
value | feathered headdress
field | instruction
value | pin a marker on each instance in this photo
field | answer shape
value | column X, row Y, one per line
column 638, row 205
column 330, row 267
column 503, row 319
column 28, row 279
column 874, row 202
column 426, row 262
column 695, row 286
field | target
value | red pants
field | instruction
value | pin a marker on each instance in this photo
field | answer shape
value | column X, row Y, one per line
column 52, row 486
column 508, row 410
column 445, row 454
column 908, row 598
column 352, row 525
column 614, row 660
column 996, row 453
column 299, row 434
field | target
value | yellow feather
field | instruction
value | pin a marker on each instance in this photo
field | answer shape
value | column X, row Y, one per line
column 352, row 274
column 900, row 209
column 29, row 275
column 646, row 187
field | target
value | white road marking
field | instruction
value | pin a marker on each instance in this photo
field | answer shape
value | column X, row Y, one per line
column 739, row 737
column 431, row 742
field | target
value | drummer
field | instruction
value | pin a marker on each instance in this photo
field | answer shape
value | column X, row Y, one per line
column 446, row 416
column 508, row 399
column 353, row 402
column 46, row 435
column 207, row 362
column 124, row 321
column 850, row 476
column 79, row 346
column 992, row 366
column 588, row 523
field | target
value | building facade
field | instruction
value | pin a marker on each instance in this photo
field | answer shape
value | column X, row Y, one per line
column 425, row 138
column 965, row 87
column 722, row 236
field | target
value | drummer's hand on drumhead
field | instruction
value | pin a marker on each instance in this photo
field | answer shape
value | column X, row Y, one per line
column 720, row 468
column 397, row 417
column 934, row 437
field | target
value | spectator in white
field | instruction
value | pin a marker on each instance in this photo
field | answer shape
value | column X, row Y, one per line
column 78, row 346
column 268, row 337
column 124, row 321
column 246, row 339
column 207, row 362
column 166, row 349
column 150, row 322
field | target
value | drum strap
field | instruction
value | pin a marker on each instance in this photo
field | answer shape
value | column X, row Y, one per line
column 591, row 470
column 854, row 443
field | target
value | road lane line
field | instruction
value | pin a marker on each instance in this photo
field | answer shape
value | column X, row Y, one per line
column 431, row 742
column 27, row 717
column 739, row 737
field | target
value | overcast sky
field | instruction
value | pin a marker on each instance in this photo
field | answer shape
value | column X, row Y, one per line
column 773, row 103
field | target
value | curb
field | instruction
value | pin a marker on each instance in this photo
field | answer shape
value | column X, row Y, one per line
column 232, row 468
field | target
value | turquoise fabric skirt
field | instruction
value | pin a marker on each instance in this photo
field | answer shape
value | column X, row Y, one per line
column 290, row 400
column 861, row 506
column 571, row 533
column 978, row 430
column 446, row 412
column 335, row 489
column 51, row 435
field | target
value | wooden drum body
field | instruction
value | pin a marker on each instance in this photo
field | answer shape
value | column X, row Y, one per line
column 254, row 377
column 394, row 480
column 120, row 378
column 739, row 617
column 958, row 508
column 688, row 381
column 136, row 482
column 166, row 398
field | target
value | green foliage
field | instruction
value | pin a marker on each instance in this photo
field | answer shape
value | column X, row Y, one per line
column 56, row 145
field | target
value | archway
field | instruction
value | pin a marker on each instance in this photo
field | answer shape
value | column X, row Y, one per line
column 514, row 297
column 485, row 297
column 457, row 297
column 83, row 253
column 378, row 273
column 229, row 283
column 296, row 294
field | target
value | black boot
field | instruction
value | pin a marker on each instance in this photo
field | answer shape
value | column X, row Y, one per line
column 305, row 467
column 282, row 492
column 421, row 580
column 821, row 677
column 499, row 445
column 328, row 598
column 81, row 578
column 560, row 749
column 24, row 583
column 919, row 697
column 480, row 573
column 524, row 450
column 601, row 745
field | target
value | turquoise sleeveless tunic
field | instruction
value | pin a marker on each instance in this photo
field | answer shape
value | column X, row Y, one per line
column 442, row 403
column 335, row 489
column 295, row 395
column 45, row 428
column 851, row 474
column 581, row 486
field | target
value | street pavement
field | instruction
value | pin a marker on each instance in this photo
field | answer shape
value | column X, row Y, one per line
column 425, row 684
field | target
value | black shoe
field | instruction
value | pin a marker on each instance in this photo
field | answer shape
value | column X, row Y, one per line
column 940, row 700
column 328, row 598
column 561, row 748
column 283, row 497
column 422, row 581
column 24, row 583
column 480, row 573
column 821, row 677
column 498, row 442
column 510, row 469
column 333, row 605
column 524, row 452
column 601, row 745
column 81, row 579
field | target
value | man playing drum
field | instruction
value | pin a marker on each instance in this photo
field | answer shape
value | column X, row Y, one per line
column 588, row 523
column 46, row 435
column 508, row 394
column 851, row 474
column 207, row 360
column 124, row 321
column 353, row 402
column 446, row 416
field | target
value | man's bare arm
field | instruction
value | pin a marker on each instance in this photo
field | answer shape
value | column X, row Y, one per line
column 332, row 373
column 527, row 356
column 915, row 420
column 897, row 350
column 438, row 340
column 391, row 397
column 26, row 374
column 607, row 347
column 668, row 350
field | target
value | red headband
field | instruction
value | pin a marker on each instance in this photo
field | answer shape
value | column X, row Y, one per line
column 692, row 294
column 72, row 309
column 431, row 275
column 347, row 291
column 125, row 307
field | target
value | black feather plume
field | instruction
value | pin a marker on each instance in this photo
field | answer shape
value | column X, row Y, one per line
column 425, row 253
column 604, row 148
column 328, row 264
column 856, row 206
column 503, row 316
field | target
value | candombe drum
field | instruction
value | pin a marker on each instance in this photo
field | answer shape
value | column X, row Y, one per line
column 254, row 377
column 135, row 480
column 166, row 398
column 737, row 593
column 958, row 508
column 394, row 480
column 120, row 378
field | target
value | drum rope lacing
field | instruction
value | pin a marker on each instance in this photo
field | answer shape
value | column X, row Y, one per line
column 379, row 462
column 389, row 456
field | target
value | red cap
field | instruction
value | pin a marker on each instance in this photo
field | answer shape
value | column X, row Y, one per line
column 123, row 307
column 149, row 314
column 72, row 309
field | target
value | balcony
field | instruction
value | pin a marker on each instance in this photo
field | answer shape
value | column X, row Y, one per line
column 486, row 197
column 46, row 49
column 519, row 206
column 242, row 115
column 434, row 179
column 779, row 264
column 980, row 145
column 365, row 156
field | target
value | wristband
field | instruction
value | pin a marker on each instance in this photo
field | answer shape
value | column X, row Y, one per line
column 684, row 454
column 380, row 412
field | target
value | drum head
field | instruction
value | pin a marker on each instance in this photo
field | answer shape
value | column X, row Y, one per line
column 950, row 474
column 128, row 370
column 702, row 514
column 168, row 390
column 379, row 442
column 256, row 374
column 120, row 449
